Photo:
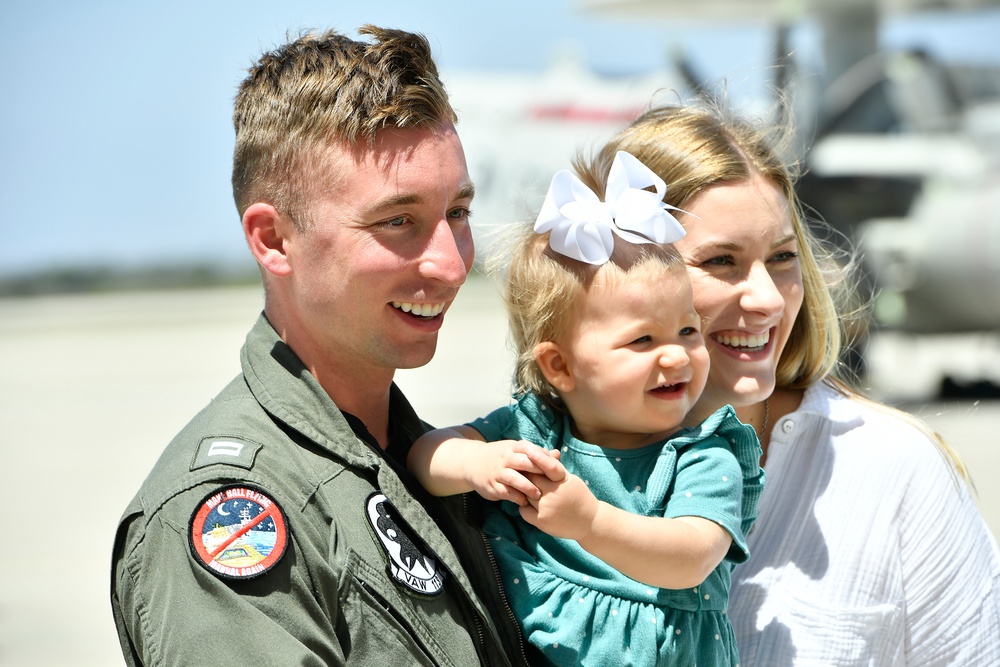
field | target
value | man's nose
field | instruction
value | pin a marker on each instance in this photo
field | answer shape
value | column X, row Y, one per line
column 449, row 253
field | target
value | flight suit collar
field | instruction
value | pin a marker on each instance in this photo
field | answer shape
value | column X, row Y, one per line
column 288, row 391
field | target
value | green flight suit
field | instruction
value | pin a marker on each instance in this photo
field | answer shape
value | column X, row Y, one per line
column 336, row 595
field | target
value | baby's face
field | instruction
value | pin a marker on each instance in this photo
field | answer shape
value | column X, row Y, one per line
column 635, row 357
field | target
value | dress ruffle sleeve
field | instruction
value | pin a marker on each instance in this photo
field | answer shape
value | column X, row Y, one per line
column 695, row 447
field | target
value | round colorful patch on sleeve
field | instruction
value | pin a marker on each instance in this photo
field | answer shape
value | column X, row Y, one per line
column 238, row 532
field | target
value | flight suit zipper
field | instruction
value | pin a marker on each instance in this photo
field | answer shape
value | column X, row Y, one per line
column 499, row 583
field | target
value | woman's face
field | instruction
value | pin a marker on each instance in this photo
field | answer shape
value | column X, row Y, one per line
column 742, row 255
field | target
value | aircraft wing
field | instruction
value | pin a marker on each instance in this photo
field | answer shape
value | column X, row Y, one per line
column 745, row 10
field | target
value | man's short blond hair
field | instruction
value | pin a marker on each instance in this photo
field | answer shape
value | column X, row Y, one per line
column 322, row 90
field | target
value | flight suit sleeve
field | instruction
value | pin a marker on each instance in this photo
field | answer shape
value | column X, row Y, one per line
column 173, row 611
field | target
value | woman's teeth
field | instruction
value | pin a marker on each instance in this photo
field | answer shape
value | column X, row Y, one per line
column 421, row 309
column 748, row 341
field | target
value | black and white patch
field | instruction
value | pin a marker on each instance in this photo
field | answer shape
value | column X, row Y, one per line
column 409, row 561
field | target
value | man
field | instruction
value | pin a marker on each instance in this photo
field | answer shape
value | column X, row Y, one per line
column 280, row 527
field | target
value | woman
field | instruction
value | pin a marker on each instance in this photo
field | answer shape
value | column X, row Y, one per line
column 869, row 548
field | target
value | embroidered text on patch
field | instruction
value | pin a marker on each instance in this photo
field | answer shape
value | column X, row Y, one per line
column 408, row 562
column 238, row 532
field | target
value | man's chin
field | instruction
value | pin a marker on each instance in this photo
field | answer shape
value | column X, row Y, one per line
column 416, row 357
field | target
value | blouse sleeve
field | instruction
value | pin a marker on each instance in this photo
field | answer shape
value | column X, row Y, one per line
column 950, row 565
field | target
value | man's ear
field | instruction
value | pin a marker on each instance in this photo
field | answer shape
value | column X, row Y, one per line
column 267, row 233
column 554, row 366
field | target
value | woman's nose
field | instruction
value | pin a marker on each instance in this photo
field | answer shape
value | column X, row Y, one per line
column 761, row 294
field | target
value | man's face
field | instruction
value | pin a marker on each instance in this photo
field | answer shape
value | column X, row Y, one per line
column 388, row 246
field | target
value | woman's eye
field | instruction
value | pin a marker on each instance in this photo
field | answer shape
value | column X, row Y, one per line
column 721, row 260
column 786, row 256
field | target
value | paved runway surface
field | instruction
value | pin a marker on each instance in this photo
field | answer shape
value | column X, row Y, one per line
column 94, row 386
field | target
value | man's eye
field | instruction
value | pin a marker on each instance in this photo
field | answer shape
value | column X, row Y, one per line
column 459, row 213
column 395, row 222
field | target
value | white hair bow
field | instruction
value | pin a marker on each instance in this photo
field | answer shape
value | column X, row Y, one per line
column 582, row 225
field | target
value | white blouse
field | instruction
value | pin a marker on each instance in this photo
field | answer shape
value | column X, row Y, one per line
column 867, row 550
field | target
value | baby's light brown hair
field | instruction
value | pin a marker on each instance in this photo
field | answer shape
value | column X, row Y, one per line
column 543, row 287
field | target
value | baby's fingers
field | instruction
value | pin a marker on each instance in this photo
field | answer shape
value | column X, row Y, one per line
column 547, row 464
column 523, row 455
column 529, row 513
column 517, row 483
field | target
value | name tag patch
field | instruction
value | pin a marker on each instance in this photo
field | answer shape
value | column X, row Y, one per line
column 238, row 532
column 409, row 562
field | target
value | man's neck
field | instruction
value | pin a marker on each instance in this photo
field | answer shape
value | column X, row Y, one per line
column 360, row 397
column 359, row 390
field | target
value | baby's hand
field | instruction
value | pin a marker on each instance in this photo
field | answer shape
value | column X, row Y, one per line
column 500, row 472
column 566, row 507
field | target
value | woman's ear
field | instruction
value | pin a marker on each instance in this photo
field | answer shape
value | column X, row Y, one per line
column 554, row 365
column 267, row 233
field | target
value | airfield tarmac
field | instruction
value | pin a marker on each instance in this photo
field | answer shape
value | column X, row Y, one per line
column 94, row 386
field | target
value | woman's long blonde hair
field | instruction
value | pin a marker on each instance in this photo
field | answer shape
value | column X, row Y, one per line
column 694, row 147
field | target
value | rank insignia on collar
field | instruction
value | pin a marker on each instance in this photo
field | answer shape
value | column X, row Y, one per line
column 238, row 532
column 409, row 561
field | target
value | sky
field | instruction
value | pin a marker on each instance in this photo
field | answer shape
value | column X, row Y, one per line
column 115, row 130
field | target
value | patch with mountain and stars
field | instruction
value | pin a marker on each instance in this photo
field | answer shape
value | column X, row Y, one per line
column 238, row 532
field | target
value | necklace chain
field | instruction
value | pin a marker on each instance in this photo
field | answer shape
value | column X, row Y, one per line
column 767, row 414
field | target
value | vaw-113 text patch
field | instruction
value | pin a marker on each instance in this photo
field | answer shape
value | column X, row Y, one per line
column 410, row 562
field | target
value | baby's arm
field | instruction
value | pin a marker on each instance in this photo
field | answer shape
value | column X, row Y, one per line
column 457, row 459
column 670, row 553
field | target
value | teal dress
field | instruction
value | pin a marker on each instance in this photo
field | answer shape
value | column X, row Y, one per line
column 578, row 610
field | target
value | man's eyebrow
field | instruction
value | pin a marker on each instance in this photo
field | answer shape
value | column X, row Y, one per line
column 396, row 201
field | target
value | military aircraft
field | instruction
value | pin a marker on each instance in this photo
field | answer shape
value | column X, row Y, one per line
column 901, row 153
column 518, row 129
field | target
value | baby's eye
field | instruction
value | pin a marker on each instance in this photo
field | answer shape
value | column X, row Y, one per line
column 641, row 339
column 689, row 331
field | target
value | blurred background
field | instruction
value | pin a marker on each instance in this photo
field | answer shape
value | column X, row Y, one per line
column 126, row 289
